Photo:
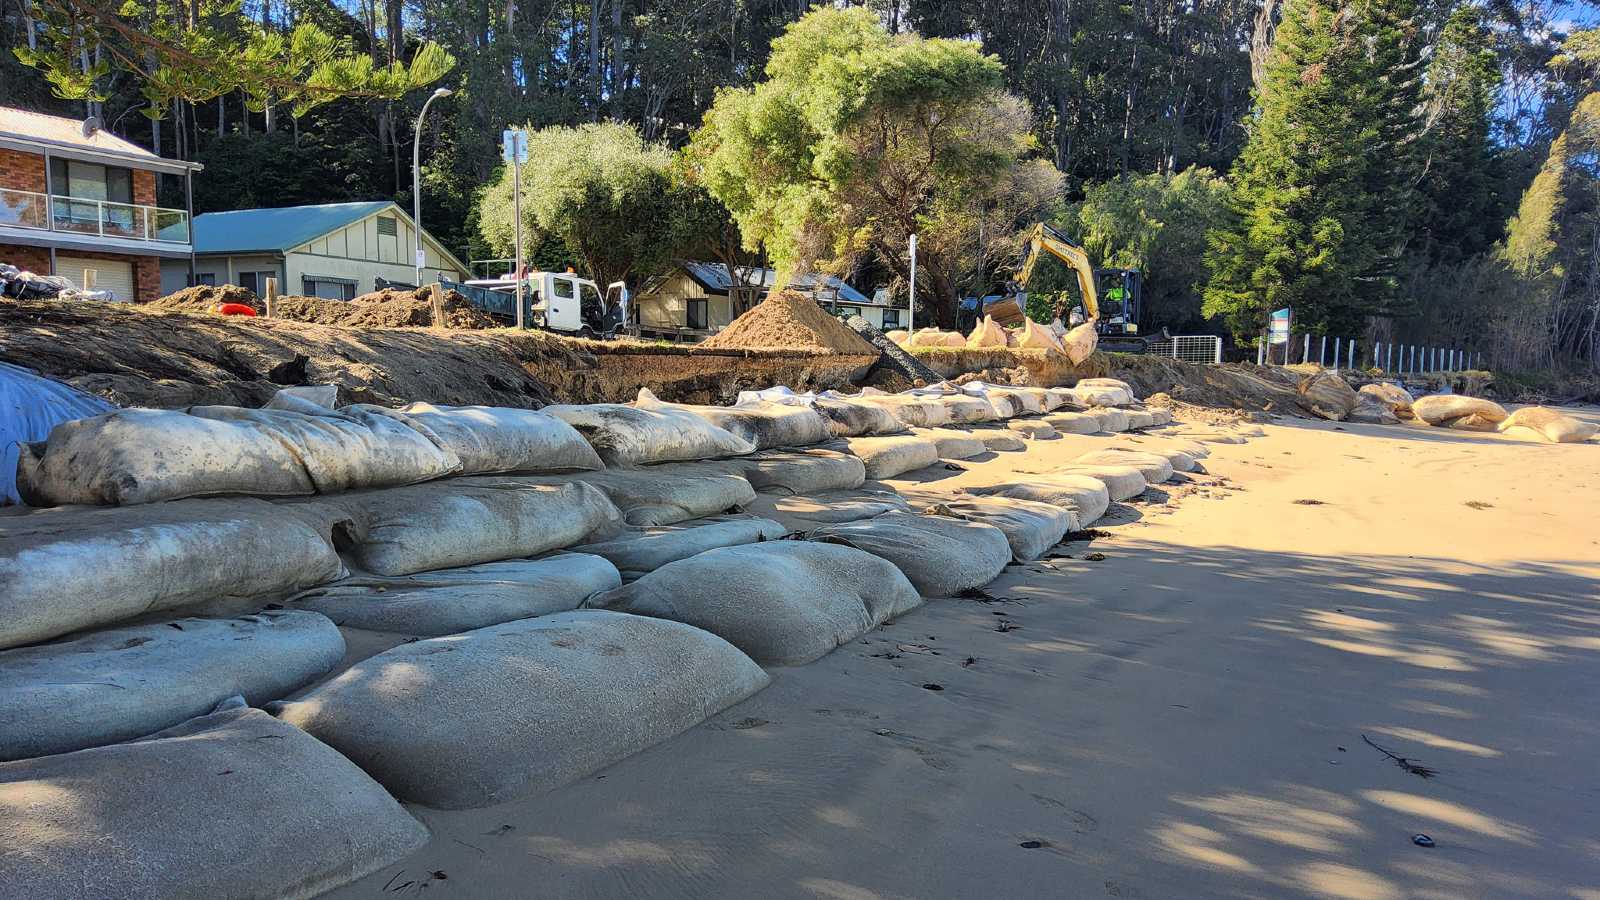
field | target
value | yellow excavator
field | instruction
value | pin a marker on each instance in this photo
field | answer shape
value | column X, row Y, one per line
column 1116, row 324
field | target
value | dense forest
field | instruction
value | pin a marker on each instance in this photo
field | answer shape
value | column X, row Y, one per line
column 1421, row 170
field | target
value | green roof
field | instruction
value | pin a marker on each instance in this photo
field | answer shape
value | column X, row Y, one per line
column 276, row 230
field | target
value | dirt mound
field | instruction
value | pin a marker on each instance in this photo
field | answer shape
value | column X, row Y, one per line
column 205, row 299
column 790, row 319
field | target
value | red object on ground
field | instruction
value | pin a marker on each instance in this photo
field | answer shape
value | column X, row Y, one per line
column 236, row 309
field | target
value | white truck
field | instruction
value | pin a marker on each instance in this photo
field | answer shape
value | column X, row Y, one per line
column 556, row 301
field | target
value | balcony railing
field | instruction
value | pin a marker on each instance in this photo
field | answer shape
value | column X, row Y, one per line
column 77, row 215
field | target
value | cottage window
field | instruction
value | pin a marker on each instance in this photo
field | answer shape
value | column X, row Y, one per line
column 386, row 226
column 695, row 314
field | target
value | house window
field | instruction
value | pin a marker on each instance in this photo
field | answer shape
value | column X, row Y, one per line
column 386, row 226
column 90, row 181
column 329, row 287
column 891, row 318
column 209, row 279
column 695, row 315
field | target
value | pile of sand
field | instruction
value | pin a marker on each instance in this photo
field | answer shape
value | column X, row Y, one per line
column 388, row 308
column 790, row 320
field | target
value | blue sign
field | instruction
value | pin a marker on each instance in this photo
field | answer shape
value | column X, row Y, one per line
column 1278, row 326
column 514, row 145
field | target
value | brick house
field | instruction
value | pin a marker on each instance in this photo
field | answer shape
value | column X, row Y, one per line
column 82, row 203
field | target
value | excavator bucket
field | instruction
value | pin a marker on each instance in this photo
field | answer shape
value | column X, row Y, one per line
column 1007, row 312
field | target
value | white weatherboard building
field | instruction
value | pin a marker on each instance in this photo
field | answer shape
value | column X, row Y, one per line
column 331, row 250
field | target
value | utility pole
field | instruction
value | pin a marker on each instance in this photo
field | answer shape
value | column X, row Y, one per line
column 416, row 183
column 911, row 312
column 514, row 147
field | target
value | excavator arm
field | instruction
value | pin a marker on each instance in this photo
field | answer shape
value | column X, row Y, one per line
column 1045, row 239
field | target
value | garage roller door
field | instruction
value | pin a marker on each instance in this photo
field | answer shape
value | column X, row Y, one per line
column 115, row 276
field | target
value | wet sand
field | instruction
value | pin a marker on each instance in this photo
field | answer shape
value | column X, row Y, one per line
column 1183, row 718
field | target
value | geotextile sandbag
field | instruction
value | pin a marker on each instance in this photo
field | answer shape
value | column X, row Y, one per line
column 448, row 601
column 1160, row 415
column 784, row 603
column 1034, row 336
column 1395, row 397
column 1547, row 425
column 1123, row 482
column 910, row 409
column 764, row 423
column 136, row 456
column 62, row 570
column 231, row 804
column 1087, row 497
column 899, row 336
column 1104, row 383
column 1155, row 467
column 849, row 418
column 30, row 406
column 1036, row 429
column 495, row 439
column 1138, row 418
column 951, row 443
column 1004, row 441
column 1372, row 410
column 467, row 521
column 891, row 455
column 1111, row 420
column 629, row 436
column 934, row 337
column 942, row 556
column 1074, row 422
column 517, row 709
column 799, row 471
column 1079, row 343
column 986, row 335
column 1445, row 409
column 1327, row 395
column 124, row 683
column 668, row 494
column 807, row 513
column 639, row 551
column 1030, row 527
column 966, row 409
column 1179, row 460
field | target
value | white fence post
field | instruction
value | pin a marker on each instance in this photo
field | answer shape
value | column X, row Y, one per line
column 1352, row 364
column 1305, row 352
column 1261, row 349
column 1335, row 351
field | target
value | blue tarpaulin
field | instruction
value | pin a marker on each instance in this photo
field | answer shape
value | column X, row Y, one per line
column 30, row 406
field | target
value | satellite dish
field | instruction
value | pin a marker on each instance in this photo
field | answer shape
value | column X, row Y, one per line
column 90, row 126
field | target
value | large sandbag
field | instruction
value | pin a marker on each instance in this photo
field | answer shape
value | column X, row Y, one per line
column 1372, row 410
column 1059, row 397
column 1003, row 441
column 965, row 409
column 513, row 710
column 1161, row 415
column 494, row 439
column 666, row 495
column 1155, row 467
column 1075, row 422
column 641, row 551
column 628, row 436
column 809, row 513
column 899, row 336
column 987, row 335
column 1139, row 419
column 467, row 521
column 1086, row 496
column 1018, row 401
column 1161, row 442
column 1037, row 430
column 886, row 457
column 125, row 683
column 145, row 455
column 1030, row 527
column 785, row 603
column 1123, row 482
column 800, row 471
column 1104, row 383
column 232, row 804
column 1111, row 420
column 910, row 409
column 30, row 406
column 764, row 423
column 1445, row 409
column 1079, row 343
column 934, row 337
column 1327, row 395
column 951, row 443
column 1034, row 336
column 1395, row 397
column 1547, row 425
column 1178, row 460
column 942, row 556
column 847, row 417
column 62, row 570
column 449, row 601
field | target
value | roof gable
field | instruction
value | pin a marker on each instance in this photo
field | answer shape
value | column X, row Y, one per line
column 714, row 279
column 62, row 130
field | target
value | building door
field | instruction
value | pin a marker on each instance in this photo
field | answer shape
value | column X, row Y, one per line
column 115, row 276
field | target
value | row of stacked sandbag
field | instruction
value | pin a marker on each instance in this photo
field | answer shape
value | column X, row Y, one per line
column 1477, row 414
column 1075, row 343
column 447, row 558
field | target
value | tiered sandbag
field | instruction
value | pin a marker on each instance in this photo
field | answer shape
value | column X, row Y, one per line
column 627, row 436
column 764, row 423
column 1030, row 527
column 910, row 409
column 899, row 336
column 1103, row 392
column 1327, row 395
column 987, row 335
column 803, row 513
column 1111, row 420
column 232, row 804
column 1075, row 422
column 638, row 552
column 1037, row 430
column 1084, row 495
column 62, row 570
column 1547, row 425
column 1372, row 410
column 512, row 710
column 933, row 337
column 145, row 455
column 449, row 601
column 30, row 406
column 1139, row 419
column 125, row 683
column 784, row 603
column 799, row 471
column 966, row 409
column 1177, row 460
column 467, row 521
column 1059, row 397
column 886, row 457
column 667, row 495
column 1002, row 441
column 951, row 443
column 1079, row 343
column 491, row 440
column 1037, row 337
column 1161, row 415
column 1395, row 397
column 1458, row 411
column 942, row 556
column 1124, row 482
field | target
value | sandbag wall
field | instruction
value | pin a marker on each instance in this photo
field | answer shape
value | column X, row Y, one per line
column 567, row 567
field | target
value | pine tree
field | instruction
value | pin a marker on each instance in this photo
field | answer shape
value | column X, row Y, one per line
column 1323, row 189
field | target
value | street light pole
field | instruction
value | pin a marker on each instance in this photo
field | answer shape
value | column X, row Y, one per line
column 416, row 182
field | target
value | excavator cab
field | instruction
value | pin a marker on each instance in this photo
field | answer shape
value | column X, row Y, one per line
column 1120, row 294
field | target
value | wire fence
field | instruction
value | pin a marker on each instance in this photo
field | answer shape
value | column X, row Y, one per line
column 1195, row 348
column 1348, row 353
